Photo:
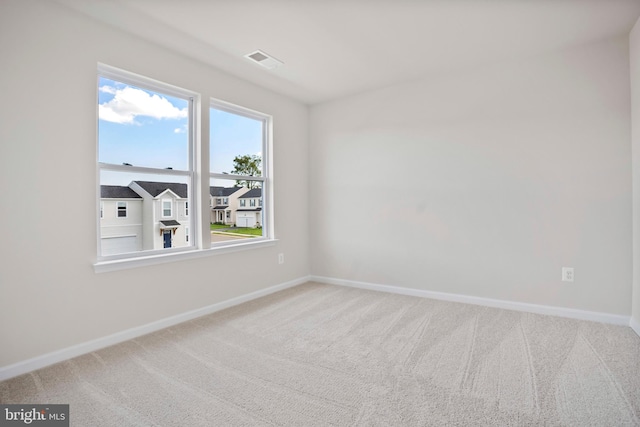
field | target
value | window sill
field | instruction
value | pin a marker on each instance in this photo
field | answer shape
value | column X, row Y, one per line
column 124, row 264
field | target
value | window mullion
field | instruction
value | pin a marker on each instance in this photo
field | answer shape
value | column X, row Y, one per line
column 144, row 170
column 237, row 177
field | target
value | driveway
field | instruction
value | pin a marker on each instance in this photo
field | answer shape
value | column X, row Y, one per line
column 215, row 237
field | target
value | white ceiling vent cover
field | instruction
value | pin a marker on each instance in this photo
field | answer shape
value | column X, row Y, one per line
column 264, row 59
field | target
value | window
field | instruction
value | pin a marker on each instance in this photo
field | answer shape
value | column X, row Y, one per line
column 166, row 208
column 239, row 164
column 122, row 209
column 145, row 155
column 147, row 145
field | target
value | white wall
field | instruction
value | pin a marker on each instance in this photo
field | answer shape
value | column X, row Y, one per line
column 634, row 53
column 50, row 297
column 500, row 176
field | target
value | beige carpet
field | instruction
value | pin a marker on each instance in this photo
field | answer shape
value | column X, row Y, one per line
column 327, row 355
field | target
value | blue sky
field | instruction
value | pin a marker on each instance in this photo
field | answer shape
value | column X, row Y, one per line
column 232, row 135
column 145, row 128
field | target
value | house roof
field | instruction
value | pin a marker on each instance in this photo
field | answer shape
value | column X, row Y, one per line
column 170, row 223
column 220, row 208
column 156, row 188
column 117, row 192
column 223, row 191
column 252, row 194
column 249, row 210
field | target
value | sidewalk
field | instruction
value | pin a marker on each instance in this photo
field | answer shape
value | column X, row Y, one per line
column 220, row 236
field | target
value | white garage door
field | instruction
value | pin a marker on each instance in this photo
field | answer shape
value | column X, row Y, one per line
column 246, row 220
column 119, row 245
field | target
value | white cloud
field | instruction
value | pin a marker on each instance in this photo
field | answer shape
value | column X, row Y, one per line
column 108, row 89
column 182, row 129
column 129, row 103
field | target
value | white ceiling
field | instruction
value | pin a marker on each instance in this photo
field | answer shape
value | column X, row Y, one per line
column 333, row 48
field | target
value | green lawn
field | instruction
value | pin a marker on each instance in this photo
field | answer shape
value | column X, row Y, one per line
column 245, row 230
column 238, row 230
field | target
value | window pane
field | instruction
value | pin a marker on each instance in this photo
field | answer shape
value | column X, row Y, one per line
column 235, row 219
column 142, row 128
column 235, row 144
column 122, row 209
column 155, row 212
column 167, row 207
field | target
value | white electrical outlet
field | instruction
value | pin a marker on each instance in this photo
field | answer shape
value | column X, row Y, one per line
column 567, row 274
column 280, row 258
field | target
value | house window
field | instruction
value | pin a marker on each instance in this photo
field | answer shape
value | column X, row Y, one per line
column 122, row 209
column 167, row 208
column 145, row 153
column 101, row 210
column 243, row 203
column 219, row 201
column 252, row 202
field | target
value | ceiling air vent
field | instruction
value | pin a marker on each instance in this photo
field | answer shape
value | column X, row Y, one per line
column 264, row 59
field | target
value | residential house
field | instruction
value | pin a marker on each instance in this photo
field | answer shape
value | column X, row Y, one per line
column 165, row 214
column 120, row 220
column 223, row 203
column 249, row 212
column 143, row 216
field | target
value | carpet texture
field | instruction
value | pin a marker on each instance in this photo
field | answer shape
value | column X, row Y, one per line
column 326, row 355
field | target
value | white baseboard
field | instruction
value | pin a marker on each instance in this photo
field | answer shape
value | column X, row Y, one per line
column 635, row 325
column 38, row 362
column 509, row 305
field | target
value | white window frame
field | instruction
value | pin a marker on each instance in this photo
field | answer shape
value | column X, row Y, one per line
column 265, row 178
column 186, row 208
column 162, row 208
column 200, row 244
column 126, row 209
column 188, row 176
